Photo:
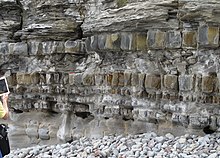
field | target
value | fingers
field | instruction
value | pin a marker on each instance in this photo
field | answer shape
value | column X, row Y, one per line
column 5, row 97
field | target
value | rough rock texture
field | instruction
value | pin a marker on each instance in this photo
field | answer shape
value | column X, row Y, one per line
column 130, row 146
column 94, row 68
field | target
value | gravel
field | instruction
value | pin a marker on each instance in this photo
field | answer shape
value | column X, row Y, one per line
column 147, row 145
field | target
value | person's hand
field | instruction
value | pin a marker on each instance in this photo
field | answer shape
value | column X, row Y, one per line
column 5, row 105
column 5, row 97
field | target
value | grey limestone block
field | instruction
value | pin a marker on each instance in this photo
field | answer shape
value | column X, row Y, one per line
column 23, row 78
column 87, row 44
column 35, row 48
column 58, row 47
column 171, row 82
column 156, row 39
column 218, row 121
column 127, row 41
column 208, row 36
column 189, row 39
column 134, row 79
column 64, row 79
column 91, row 43
column 20, row 48
column 186, row 82
column 49, row 78
column 153, row 81
column 141, row 78
column 50, row 47
column 4, row 48
column 173, row 39
column 88, row 79
column 102, row 41
column 141, row 114
column 141, row 43
column 184, row 120
column 115, row 78
column 99, row 79
column 72, row 46
column 175, row 118
column 194, row 121
column 198, row 121
column 56, row 78
column 75, row 79
column 121, row 79
column 113, row 41
column 35, row 78
column 44, row 133
column 160, row 116
column 47, row 47
column 127, row 79
column 209, row 83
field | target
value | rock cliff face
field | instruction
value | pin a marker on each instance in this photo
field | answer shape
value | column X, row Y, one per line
column 93, row 68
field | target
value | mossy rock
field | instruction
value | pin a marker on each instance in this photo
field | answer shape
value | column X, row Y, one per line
column 121, row 3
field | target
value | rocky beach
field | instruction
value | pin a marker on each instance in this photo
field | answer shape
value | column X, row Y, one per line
column 147, row 145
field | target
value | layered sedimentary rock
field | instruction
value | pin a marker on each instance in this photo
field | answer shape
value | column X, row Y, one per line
column 94, row 68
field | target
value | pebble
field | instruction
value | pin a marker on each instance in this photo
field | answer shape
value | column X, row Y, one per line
column 131, row 146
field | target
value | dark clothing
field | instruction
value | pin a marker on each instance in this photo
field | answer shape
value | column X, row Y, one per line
column 4, row 142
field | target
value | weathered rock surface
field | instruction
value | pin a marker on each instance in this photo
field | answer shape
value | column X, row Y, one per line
column 114, row 16
column 94, row 68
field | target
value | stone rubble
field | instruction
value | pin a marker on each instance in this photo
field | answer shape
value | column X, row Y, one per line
column 147, row 145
